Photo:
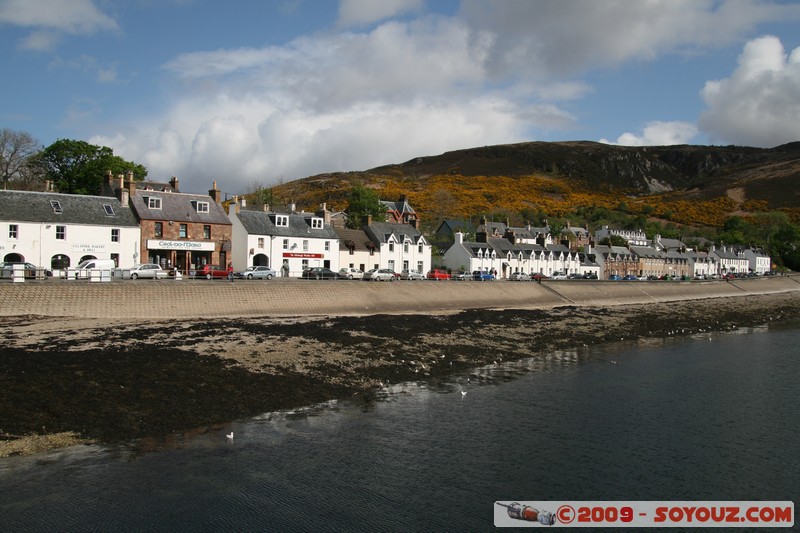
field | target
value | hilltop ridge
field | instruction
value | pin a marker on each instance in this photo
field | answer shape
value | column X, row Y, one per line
column 552, row 176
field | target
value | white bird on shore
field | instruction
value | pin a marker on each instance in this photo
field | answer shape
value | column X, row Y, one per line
column 463, row 393
column 230, row 435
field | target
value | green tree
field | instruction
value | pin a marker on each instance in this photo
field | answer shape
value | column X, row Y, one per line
column 785, row 248
column 77, row 167
column 364, row 202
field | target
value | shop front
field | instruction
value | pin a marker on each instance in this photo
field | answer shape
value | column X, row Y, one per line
column 183, row 255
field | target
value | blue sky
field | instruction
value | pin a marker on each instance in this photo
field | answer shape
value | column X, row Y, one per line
column 252, row 93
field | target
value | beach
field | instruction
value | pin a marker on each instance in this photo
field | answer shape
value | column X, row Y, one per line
column 121, row 361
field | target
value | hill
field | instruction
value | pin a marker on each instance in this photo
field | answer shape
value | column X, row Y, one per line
column 695, row 185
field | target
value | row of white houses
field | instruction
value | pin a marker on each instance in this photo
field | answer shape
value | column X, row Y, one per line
column 147, row 223
column 135, row 222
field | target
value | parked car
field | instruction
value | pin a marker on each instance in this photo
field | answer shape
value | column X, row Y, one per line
column 615, row 277
column 438, row 274
column 538, row 276
column 519, row 276
column 411, row 275
column 462, row 276
column 319, row 273
column 211, row 272
column 559, row 275
column 351, row 273
column 590, row 275
column 256, row 272
column 480, row 275
column 147, row 271
column 380, row 274
column 628, row 277
column 7, row 269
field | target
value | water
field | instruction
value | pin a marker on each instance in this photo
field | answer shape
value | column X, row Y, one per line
column 708, row 418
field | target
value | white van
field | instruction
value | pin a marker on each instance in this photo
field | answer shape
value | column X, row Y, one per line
column 95, row 268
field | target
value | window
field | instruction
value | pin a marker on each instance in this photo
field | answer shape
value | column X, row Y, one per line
column 327, row 246
column 59, row 262
column 419, row 249
column 282, row 220
column 420, row 267
column 61, row 232
column 206, row 231
column 405, row 247
column 305, row 264
column 109, row 210
column 114, row 234
column 305, row 245
column 261, row 242
column 115, row 258
column 183, row 232
column 391, row 247
column 13, row 230
column 390, row 266
column 201, row 207
column 285, row 244
column 316, row 223
column 56, row 205
column 158, row 231
column 153, row 202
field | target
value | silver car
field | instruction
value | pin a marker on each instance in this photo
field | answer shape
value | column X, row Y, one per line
column 147, row 271
column 379, row 274
column 256, row 272
column 411, row 275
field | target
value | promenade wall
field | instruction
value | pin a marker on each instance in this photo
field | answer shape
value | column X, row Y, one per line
column 202, row 299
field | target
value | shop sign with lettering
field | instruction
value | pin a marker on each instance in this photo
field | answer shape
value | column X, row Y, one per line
column 194, row 246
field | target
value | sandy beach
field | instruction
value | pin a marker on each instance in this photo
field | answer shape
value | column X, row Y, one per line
column 71, row 377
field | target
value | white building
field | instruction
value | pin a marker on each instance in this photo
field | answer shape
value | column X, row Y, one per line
column 400, row 246
column 287, row 242
column 58, row 231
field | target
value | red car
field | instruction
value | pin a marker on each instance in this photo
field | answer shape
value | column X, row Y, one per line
column 211, row 271
column 438, row 274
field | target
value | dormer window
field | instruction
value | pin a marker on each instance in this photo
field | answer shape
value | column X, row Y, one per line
column 282, row 221
column 200, row 207
column 153, row 202
column 316, row 223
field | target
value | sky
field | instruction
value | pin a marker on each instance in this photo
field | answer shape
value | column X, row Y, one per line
column 253, row 93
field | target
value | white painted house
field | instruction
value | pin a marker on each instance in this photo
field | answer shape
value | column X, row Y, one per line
column 58, row 231
column 400, row 246
column 288, row 242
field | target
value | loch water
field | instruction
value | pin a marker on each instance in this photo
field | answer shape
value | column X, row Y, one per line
column 710, row 417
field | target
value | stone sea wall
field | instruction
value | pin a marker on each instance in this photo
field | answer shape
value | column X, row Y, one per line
column 202, row 299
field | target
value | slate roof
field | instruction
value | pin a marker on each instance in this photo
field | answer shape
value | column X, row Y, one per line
column 263, row 223
column 178, row 207
column 401, row 206
column 360, row 240
column 27, row 206
column 380, row 232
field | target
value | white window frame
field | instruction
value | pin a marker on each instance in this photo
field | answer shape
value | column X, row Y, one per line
column 114, row 234
column 62, row 231
column 316, row 223
column 13, row 231
column 153, row 202
column 282, row 221
column 201, row 207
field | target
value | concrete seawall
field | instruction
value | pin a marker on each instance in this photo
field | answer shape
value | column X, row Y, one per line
column 165, row 299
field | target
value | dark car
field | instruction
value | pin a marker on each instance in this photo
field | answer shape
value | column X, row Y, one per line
column 480, row 275
column 615, row 277
column 629, row 277
column 538, row 276
column 319, row 273
column 211, row 272
column 31, row 270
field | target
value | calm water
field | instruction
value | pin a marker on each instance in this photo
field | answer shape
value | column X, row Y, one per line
column 708, row 418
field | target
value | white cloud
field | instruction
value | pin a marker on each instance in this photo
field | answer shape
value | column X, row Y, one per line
column 759, row 104
column 363, row 12
column 52, row 18
column 659, row 134
column 554, row 37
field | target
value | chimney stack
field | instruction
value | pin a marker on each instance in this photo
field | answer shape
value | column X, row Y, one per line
column 175, row 184
column 215, row 193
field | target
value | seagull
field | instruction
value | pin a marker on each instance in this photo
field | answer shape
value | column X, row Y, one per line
column 463, row 393
column 230, row 435
column 613, row 362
